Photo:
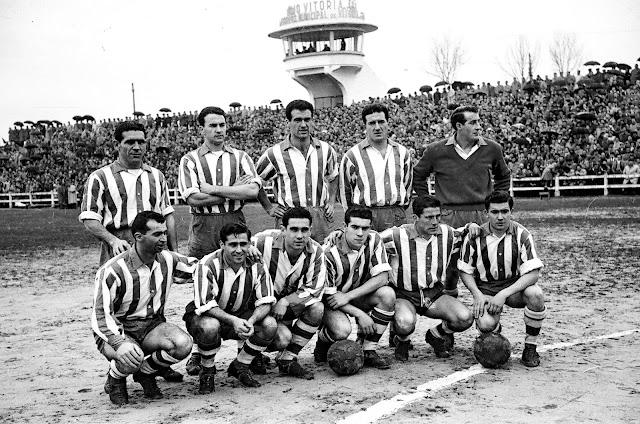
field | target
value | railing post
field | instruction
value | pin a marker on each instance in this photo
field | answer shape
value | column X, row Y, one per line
column 10, row 201
column 511, row 187
column 606, row 183
column 557, row 190
column 53, row 204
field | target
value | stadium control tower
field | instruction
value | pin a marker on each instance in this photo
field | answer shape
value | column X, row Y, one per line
column 323, row 43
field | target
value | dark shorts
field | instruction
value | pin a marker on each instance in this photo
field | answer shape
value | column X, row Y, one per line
column 494, row 287
column 227, row 332
column 135, row 331
column 105, row 250
column 430, row 296
column 387, row 216
column 204, row 231
column 321, row 227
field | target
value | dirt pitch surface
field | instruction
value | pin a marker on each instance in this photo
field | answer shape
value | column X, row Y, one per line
column 51, row 371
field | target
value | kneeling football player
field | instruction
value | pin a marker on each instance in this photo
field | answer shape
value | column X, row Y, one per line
column 232, row 300
column 500, row 267
column 419, row 254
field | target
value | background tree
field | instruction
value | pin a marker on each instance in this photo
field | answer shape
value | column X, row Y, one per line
column 447, row 57
column 521, row 59
column 566, row 52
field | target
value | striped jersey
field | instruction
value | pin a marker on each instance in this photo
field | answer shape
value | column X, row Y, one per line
column 127, row 289
column 367, row 178
column 217, row 285
column 490, row 258
column 302, row 282
column 348, row 269
column 114, row 195
column 419, row 263
column 299, row 180
column 222, row 168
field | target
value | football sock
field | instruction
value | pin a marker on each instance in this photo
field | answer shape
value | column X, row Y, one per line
column 252, row 347
column 208, row 355
column 381, row 318
column 301, row 333
column 533, row 323
column 440, row 330
column 114, row 371
column 323, row 336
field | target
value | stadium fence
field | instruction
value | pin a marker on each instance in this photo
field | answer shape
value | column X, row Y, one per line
column 520, row 187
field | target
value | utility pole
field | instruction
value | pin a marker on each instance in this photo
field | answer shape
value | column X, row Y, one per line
column 530, row 69
column 133, row 93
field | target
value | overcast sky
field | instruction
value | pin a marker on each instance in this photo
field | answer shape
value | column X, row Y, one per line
column 64, row 58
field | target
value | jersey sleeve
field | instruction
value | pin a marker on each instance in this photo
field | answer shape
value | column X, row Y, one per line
column 188, row 183
column 92, row 199
column 103, row 319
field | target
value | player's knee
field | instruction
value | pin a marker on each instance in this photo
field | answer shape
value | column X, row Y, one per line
column 486, row 324
column 268, row 327
column 462, row 320
column 339, row 331
column 534, row 297
column 207, row 332
column 182, row 345
column 282, row 338
column 313, row 314
column 404, row 323
column 128, row 369
column 386, row 298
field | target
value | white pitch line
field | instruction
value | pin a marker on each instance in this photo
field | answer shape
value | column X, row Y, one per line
column 389, row 406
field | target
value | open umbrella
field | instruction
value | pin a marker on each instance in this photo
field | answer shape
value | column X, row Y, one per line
column 165, row 109
column 236, row 128
column 452, row 106
column 440, row 83
column 162, row 149
column 18, row 124
column 586, row 116
column 610, row 65
column 88, row 118
column 580, row 130
column 624, row 66
column 275, row 101
column 549, row 132
column 521, row 141
column 457, row 85
column 531, row 86
column 44, row 121
column 592, row 63
column 393, row 90
column 77, row 118
column 137, row 113
column 29, row 122
column 426, row 88
column 56, row 122
column 561, row 82
column 479, row 93
column 234, row 104
column 35, row 157
column 265, row 131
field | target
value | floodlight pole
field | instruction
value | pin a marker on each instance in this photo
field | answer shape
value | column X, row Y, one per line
column 133, row 94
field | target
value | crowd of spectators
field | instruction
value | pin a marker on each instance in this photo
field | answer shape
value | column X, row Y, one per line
column 536, row 122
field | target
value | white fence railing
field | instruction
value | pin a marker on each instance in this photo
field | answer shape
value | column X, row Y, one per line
column 601, row 183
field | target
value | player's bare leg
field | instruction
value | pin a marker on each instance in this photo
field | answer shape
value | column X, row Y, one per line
column 303, row 330
column 206, row 333
column 335, row 326
column 381, row 303
column 264, row 332
column 455, row 318
column 404, row 324
column 532, row 300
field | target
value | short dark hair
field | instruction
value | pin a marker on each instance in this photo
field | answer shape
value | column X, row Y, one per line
column 127, row 126
column 357, row 211
column 498, row 196
column 457, row 116
column 374, row 108
column 234, row 229
column 210, row 110
column 139, row 224
column 300, row 105
column 422, row 202
column 294, row 213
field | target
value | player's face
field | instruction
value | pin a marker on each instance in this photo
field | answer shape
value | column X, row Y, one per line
column 428, row 221
column 235, row 249
column 215, row 129
column 296, row 234
column 131, row 149
column 155, row 239
column 377, row 127
column 471, row 129
column 357, row 231
column 499, row 217
column 301, row 124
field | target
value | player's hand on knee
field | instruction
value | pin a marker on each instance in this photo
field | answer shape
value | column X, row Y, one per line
column 495, row 304
column 130, row 355
column 338, row 300
column 118, row 246
column 243, row 328
column 280, row 309
column 366, row 324
column 479, row 305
